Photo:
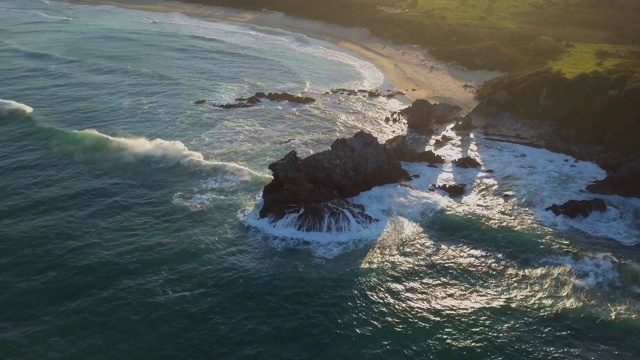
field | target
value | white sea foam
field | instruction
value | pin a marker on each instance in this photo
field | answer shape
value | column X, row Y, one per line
column 588, row 271
column 259, row 36
column 532, row 180
column 171, row 152
column 8, row 107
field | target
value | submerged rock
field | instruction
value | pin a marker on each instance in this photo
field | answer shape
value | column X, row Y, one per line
column 575, row 208
column 256, row 99
column 350, row 167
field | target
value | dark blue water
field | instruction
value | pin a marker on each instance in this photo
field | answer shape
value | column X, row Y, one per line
column 128, row 221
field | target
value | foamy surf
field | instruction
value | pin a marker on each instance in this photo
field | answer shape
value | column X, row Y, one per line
column 513, row 188
column 8, row 107
column 334, row 232
column 587, row 271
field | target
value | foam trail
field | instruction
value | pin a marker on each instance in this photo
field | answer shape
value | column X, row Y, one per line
column 30, row 15
column 8, row 107
column 169, row 152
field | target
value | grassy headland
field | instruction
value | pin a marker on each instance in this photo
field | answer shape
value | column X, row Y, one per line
column 572, row 36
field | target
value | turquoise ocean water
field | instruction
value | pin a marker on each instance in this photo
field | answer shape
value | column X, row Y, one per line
column 128, row 223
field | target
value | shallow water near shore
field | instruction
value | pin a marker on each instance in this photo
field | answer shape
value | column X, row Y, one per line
column 128, row 214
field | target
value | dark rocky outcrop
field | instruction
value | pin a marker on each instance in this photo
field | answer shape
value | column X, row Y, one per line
column 401, row 151
column 250, row 100
column 575, row 208
column 287, row 97
column 256, row 99
column 595, row 109
column 592, row 117
column 467, row 162
column 454, row 190
column 234, row 105
column 623, row 182
column 366, row 93
column 350, row 167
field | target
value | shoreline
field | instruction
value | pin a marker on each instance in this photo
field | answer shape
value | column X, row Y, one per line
column 408, row 68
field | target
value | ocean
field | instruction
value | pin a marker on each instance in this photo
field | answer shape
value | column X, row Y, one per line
column 129, row 227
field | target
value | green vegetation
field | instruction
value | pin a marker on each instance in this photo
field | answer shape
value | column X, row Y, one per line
column 573, row 36
column 583, row 58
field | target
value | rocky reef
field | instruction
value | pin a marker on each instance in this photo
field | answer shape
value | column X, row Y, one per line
column 593, row 117
column 257, row 99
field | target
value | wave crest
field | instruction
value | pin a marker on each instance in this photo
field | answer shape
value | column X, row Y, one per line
column 10, row 107
column 90, row 142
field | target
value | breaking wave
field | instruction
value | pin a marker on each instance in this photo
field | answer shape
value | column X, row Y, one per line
column 10, row 107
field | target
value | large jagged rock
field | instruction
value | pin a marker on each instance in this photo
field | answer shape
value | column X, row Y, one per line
column 401, row 151
column 350, row 167
column 575, row 208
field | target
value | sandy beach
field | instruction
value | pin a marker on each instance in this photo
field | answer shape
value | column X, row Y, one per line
column 408, row 68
